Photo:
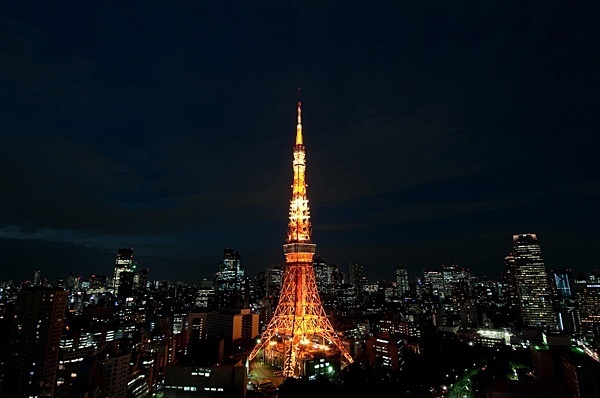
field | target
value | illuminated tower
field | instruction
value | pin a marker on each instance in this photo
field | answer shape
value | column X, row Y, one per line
column 299, row 330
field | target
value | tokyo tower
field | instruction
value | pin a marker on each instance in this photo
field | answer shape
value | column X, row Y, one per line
column 299, row 329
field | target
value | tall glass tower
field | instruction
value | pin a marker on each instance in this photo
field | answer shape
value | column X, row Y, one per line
column 123, row 264
column 402, row 281
column 534, row 291
column 229, row 280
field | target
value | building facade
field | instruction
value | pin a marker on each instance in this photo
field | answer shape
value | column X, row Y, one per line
column 33, row 350
column 533, row 288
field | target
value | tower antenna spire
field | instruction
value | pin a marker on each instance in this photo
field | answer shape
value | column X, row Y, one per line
column 299, row 138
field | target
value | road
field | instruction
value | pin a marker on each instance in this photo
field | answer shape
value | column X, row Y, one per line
column 462, row 388
column 261, row 372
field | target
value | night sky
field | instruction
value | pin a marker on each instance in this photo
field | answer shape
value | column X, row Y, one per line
column 434, row 131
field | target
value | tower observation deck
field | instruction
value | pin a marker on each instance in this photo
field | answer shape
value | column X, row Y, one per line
column 299, row 330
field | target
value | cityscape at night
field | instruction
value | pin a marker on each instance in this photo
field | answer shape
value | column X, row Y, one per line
column 302, row 199
column 305, row 328
column 437, row 131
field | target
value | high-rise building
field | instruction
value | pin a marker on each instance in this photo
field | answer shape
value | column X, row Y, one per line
column 357, row 280
column 233, row 325
column 123, row 263
column 587, row 298
column 534, row 291
column 565, row 297
column 270, row 287
column 274, row 277
column 37, row 278
column 580, row 373
column 229, row 280
column 299, row 333
column 324, row 275
column 98, row 282
column 142, row 280
column 205, row 296
column 355, row 275
column 35, row 342
column 563, row 282
column 434, row 281
column 114, row 373
column 126, row 286
column 402, row 281
column 509, row 294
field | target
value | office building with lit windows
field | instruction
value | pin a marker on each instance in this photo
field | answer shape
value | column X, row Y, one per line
column 385, row 352
column 533, row 288
column 35, row 342
column 123, row 265
column 233, row 325
column 114, row 373
column 229, row 280
column 226, row 378
column 587, row 297
column 402, row 282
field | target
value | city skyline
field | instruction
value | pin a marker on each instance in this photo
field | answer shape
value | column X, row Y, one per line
column 414, row 274
column 434, row 133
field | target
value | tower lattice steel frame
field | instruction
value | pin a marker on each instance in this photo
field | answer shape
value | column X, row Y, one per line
column 299, row 326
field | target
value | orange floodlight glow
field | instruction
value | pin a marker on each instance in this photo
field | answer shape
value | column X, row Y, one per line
column 299, row 317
